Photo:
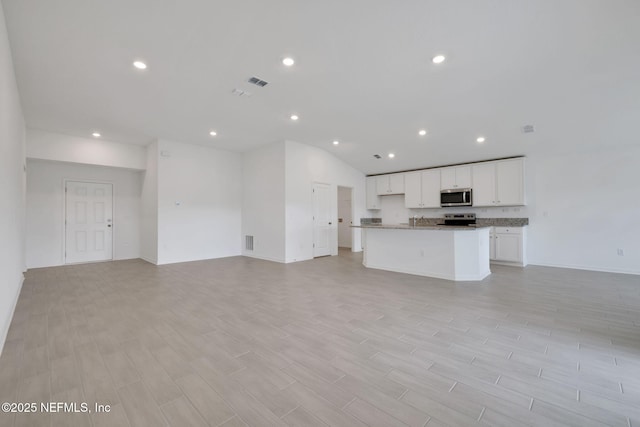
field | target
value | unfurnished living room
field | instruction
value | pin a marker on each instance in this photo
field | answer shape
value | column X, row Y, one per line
column 319, row 213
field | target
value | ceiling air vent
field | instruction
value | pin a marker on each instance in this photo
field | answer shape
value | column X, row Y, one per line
column 258, row 82
column 528, row 129
column 377, row 156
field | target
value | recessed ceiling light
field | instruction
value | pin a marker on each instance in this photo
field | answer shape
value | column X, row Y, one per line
column 213, row 133
column 438, row 59
column 294, row 117
column 391, row 155
column 96, row 135
column 480, row 139
column 140, row 65
column 336, row 142
column 422, row 132
column 288, row 61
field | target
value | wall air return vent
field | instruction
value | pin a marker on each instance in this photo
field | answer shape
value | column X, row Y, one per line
column 258, row 82
column 248, row 243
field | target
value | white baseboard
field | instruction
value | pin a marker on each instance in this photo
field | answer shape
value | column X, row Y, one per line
column 150, row 261
column 584, row 267
column 510, row 264
column 288, row 261
column 264, row 258
column 5, row 332
column 451, row 277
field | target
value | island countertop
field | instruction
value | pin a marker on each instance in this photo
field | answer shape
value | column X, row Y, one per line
column 421, row 227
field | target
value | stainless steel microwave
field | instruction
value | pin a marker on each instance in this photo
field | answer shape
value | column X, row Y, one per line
column 456, row 197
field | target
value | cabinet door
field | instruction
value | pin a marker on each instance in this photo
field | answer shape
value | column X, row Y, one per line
column 430, row 188
column 413, row 190
column 484, row 184
column 463, row 177
column 447, row 178
column 373, row 200
column 382, row 184
column 510, row 182
column 396, row 183
column 508, row 247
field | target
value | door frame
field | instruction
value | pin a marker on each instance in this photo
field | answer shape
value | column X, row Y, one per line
column 351, row 208
column 64, row 216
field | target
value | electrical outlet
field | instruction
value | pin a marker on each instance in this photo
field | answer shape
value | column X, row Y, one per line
column 620, row 252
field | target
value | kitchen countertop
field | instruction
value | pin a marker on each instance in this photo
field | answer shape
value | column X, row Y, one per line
column 420, row 227
column 481, row 222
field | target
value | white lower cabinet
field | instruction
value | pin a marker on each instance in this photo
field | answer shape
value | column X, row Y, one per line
column 508, row 245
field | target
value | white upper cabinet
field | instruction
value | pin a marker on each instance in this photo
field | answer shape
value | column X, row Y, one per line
column 413, row 190
column 455, row 177
column 373, row 200
column 510, row 182
column 484, row 184
column 499, row 183
column 422, row 189
column 390, row 184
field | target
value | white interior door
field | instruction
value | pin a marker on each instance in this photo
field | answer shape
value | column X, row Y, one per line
column 321, row 220
column 88, row 222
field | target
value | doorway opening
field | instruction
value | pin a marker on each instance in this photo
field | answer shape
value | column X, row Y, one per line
column 88, row 222
column 345, row 217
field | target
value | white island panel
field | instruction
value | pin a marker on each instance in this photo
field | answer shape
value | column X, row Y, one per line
column 451, row 254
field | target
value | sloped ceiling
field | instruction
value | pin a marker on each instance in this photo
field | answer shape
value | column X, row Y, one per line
column 363, row 74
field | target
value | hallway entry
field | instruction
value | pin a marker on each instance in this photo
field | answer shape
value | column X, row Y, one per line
column 345, row 217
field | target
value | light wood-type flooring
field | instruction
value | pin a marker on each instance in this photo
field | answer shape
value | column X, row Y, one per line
column 239, row 341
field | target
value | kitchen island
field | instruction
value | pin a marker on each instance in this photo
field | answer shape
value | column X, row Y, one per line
column 444, row 252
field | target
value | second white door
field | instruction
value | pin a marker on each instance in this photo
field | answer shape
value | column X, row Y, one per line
column 322, row 223
column 88, row 222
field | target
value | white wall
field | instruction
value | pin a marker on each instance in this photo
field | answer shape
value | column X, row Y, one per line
column 199, row 202
column 582, row 207
column 304, row 166
column 45, row 209
column 263, row 202
column 64, row 148
column 12, row 186
column 149, row 206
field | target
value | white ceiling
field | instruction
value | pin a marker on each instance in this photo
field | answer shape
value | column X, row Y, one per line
column 363, row 74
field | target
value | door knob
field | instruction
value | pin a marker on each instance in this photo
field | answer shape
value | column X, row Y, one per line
column 109, row 225
column 329, row 223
